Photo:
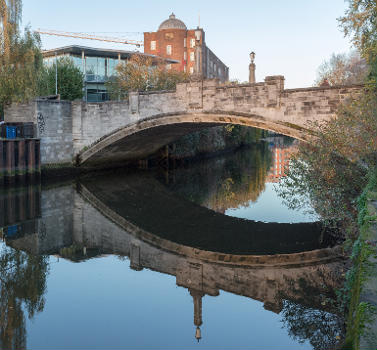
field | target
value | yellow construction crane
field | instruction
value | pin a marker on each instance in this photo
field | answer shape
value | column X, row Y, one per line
column 90, row 37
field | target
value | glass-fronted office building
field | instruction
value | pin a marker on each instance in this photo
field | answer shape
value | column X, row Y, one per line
column 98, row 65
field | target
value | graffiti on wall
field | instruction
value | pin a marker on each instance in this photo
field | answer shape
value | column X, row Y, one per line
column 41, row 123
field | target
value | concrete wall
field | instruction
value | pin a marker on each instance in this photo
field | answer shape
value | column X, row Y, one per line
column 53, row 125
column 21, row 113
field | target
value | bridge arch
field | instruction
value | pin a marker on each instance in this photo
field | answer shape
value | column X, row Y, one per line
column 144, row 137
column 222, row 239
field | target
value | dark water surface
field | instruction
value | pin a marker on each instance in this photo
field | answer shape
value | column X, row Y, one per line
column 158, row 259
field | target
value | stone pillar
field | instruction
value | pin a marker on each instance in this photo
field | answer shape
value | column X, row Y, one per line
column 252, row 73
column 252, row 68
column 198, row 321
column 277, row 80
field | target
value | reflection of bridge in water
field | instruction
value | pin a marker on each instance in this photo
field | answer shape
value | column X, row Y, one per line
column 129, row 216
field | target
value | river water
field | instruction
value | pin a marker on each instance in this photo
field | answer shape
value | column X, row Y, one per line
column 203, row 256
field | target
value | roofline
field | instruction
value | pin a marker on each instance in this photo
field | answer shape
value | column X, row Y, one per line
column 77, row 49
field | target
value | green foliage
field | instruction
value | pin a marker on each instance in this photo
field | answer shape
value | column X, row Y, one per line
column 333, row 171
column 360, row 23
column 19, row 71
column 216, row 139
column 225, row 182
column 70, row 80
column 360, row 314
column 243, row 135
column 10, row 18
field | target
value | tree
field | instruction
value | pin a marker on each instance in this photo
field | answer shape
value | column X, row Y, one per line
column 343, row 69
column 140, row 73
column 70, row 80
column 360, row 23
column 22, row 289
column 19, row 70
column 322, row 329
column 334, row 170
column 20, row 56
column 10, row 18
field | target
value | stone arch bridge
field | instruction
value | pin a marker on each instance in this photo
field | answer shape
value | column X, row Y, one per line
column 103, row 133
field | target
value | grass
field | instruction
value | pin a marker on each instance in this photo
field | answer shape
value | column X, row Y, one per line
column 361, row 314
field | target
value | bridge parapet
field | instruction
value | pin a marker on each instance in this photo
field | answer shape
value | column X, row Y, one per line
column 315, row 103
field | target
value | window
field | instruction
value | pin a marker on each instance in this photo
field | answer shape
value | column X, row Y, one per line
column 111, row 66
column 153, row 45
column 184, row 68
column 185, row 56
column 192, row 56
column 168, row 66
column 192, row 42
column 184, row 42
column 91, row 68
column 168, row 49
column 191, row 70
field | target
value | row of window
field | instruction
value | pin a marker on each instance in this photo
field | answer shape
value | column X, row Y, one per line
column 91, row 66
column 154, row 44
column 191, row 69
column 169, row 51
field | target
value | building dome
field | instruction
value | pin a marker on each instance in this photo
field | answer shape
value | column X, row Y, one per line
column 172, row 23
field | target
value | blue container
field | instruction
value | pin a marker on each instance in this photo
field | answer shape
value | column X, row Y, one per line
column 12, row 231
column 11, row 132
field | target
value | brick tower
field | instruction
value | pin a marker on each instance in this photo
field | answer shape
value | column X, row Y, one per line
column 173, row 40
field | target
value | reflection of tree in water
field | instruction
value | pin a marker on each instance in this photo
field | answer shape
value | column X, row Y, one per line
column 227, row 182
column 23, row 284
column 322, row 329
column 328, row 182
column 315, row 315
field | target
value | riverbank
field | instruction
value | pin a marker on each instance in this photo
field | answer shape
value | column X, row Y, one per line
column 361, row 285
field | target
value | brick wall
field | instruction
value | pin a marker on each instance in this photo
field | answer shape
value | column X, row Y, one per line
column 212, row 66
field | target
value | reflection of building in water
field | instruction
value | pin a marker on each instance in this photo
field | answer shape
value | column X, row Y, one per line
column 18, row 210
column 281, row 154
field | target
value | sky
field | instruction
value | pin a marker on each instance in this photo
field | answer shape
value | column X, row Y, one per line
column 290, row 38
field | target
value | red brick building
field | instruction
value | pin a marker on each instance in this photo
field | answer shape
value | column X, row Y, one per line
column 173, row 40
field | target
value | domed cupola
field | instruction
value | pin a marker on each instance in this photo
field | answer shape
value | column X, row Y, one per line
column 172, row 23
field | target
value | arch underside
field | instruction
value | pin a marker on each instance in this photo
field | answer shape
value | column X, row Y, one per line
column 145, row 137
